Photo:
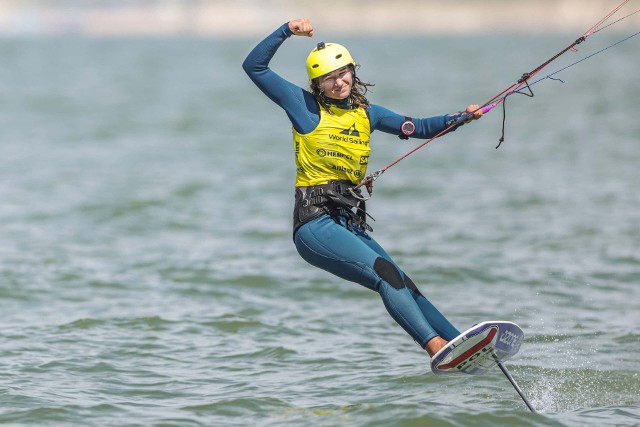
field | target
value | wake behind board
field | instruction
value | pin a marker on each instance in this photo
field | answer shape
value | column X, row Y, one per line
column 479, row 348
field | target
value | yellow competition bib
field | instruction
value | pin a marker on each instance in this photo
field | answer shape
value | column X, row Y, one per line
column 337, row 149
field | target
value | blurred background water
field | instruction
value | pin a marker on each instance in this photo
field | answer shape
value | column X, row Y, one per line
column 147, row 273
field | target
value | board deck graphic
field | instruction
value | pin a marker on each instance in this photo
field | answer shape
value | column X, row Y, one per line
column 479, row 348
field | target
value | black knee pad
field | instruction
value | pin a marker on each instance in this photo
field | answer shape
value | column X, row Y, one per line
column 409, row 284
column 388, row 272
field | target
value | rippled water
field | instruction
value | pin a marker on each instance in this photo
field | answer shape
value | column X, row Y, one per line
column 147, row 273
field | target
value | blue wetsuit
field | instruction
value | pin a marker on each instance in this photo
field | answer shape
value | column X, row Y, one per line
column 333, row 243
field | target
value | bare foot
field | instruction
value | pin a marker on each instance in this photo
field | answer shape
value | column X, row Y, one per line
column 434, row 345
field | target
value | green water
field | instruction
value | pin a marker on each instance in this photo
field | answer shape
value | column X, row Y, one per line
column 147, row 273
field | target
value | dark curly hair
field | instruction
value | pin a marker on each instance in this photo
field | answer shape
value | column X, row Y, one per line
column 356, row 97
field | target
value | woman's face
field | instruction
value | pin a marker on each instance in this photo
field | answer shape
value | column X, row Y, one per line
column 337, row 84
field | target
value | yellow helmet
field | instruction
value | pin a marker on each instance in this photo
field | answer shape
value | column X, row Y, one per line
column 326, row 58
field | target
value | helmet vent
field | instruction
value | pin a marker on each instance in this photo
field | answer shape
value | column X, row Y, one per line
column 338, row 56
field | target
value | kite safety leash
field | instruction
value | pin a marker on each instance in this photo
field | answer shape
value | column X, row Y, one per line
column 516, row 88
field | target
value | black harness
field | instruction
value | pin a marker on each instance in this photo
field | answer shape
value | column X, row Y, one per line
column 335, row 198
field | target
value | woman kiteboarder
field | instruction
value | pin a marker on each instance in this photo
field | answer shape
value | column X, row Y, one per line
column 332, row 123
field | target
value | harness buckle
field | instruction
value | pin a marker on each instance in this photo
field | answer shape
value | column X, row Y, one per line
column 368, row 184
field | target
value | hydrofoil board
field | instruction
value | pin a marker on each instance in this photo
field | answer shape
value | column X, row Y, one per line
column 479, row 348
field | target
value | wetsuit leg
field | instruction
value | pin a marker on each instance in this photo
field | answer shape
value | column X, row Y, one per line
column 437, row 320
column 442, row 326
column 356, row 257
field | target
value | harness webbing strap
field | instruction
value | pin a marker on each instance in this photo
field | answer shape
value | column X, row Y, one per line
column 335, row 198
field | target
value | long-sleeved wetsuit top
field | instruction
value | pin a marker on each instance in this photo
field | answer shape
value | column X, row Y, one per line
column 301, row 106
